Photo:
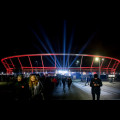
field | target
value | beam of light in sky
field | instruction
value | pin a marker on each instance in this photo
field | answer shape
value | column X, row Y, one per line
column 64, row 43
column 70, row 43
column 37, row 47
column 58, row 49
column 42, row 52
column 83, row 48
column 40, row 41
column 48, row 42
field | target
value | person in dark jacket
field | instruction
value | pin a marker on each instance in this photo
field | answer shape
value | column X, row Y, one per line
column 69, row 82
column 95, row 83
column 64, row 81
column 54, row 81
column 20, row 89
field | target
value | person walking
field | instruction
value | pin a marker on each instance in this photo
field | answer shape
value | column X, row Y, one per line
column 95, row 84
column 87, row 81
column 54, row 80
column 64, row 81
column 69, row 82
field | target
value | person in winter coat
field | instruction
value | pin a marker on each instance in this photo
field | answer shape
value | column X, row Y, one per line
column 20, row 89
column 69, row 82
column 33, row 85
column 64, row 83
column 95, row 83
column 54, row 81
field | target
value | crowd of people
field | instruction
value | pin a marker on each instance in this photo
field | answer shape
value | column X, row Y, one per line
column 36, row 87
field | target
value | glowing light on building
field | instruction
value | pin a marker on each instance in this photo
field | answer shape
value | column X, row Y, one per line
column 111, row 76
column 84, row 73
column 69, row 73
column 62, row 72
column 96, row 59
column 11, row 66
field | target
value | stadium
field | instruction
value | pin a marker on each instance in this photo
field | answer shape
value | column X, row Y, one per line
column 65, row 64
column 51, row 70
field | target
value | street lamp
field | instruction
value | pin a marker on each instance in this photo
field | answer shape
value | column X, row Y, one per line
column 97, row 59
column 77, row 62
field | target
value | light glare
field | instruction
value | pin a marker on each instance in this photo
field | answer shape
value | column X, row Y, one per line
column 62, row 72
column 97, row 59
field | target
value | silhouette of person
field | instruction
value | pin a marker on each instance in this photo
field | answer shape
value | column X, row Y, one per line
column 69, row 82
column 64, row 81
column 95, row 83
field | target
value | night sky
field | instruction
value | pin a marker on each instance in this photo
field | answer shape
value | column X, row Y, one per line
column 101, row 29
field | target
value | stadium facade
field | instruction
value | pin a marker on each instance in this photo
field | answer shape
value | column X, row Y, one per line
column 60, row 63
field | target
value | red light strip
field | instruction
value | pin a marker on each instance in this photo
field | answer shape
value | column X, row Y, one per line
column 92, row 64
column 108, row 66
column 81, row 62
column 114, row 65
column 30, row 63
column 20, row 63
column 89, row 68
column 7, row 63
column 42, row 63
column 40, row 67
column 62, row 68
column 12, row 64
column 109, row 63
column 117, row 65
column 4, row 65
column 8, row 67
column 62, row 54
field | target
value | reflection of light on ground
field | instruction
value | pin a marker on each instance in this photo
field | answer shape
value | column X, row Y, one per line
column 105, row 90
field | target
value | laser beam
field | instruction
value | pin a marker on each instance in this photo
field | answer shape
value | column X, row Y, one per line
column 83, row 48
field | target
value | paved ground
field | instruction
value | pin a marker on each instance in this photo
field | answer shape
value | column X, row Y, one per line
column 78, row 91
column 73, row 94
column 109, row 91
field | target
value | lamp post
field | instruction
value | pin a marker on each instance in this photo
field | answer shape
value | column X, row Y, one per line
column 97, row 59
column 77, row 63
